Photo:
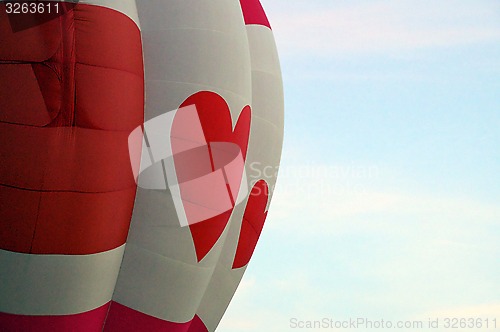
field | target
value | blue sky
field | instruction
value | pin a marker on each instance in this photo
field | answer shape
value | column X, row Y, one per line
column 388, row 202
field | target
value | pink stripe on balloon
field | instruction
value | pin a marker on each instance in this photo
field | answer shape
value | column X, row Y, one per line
column 91, row 321
column 125, row 319
column 254, row 13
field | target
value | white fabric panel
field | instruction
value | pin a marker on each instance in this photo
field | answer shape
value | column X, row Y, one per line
column 189, row 46
column 220, row 292
column 267, row 85
column 159, row 286
column 193, row 45
column 57, row 284
column 267, row 103
column 263, row 52
column 126, row 7
column 263, row 153
column 233, row 233
column 156, row 227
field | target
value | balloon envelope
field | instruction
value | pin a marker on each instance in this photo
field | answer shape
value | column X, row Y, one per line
column 134, row 137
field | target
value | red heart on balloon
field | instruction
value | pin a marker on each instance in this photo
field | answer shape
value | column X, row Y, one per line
column 252, row 224
column 209, row 164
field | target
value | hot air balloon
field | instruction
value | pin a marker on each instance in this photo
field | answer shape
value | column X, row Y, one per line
column 135, row 136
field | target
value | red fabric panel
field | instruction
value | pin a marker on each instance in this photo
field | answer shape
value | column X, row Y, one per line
column 215, row 118
column 17, row 221
column 254, row 13
column 109, row 74
column 65, row 222
column 81, row 223
column 105, row 98
column 71, row 91
column 39, row 104
column 24, row 154
column 107, row 38
column 124, row 319
column 252, row 224
column 65, row 159
column 91, row 321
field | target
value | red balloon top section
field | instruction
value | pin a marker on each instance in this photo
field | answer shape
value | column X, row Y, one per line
column 254, row 13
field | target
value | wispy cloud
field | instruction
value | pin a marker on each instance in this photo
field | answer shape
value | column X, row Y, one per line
column 247, row 313
column 383, row 26
column 490, row 310
column 339, row 198
column 488, row 315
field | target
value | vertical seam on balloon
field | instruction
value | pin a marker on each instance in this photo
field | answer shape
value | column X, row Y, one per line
column 110, row 303
column 62, row 47
column 72, row 66
column 212, row 162
column 164, row 170
column 229, row 191
column 148, row 145
column 36, row 220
